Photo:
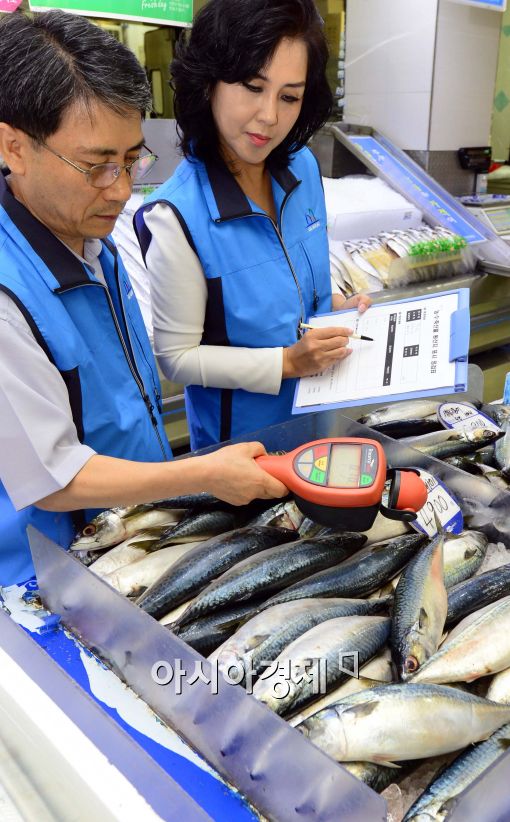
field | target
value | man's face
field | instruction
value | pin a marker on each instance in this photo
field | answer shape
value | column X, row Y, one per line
column 62, row 198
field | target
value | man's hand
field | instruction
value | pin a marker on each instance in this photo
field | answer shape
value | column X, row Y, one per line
column 318, row 349
column 232, row 474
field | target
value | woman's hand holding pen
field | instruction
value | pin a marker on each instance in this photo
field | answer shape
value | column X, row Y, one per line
column 317, row 350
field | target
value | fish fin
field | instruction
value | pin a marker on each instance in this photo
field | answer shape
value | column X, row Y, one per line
column 143, row 543
column 152, row 532
column 423, row 619
column 365, row 709
column 470, row 552
column 439, row 526
column 386, row 764
column 137, row 510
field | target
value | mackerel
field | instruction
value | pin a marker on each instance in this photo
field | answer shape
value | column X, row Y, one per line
column 273, row 569
column 267, row 633
column 437, row 800
column 393, row 723
column 327, row 651
column 205, row 562
column 479, row 648
column 419, row 610
column 359, row 575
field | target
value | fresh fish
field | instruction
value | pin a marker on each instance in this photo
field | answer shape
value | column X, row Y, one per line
column 398, row 411
column 409, row 428
column 463, row 555
column 499, row 412
column 170, row 617
column 359, row 575
column 131, row 550
column 282, row 515
column 295, row 627
column 376, row 672
column 271, row 630
column 310, row 528
column 487, row 472
column 110, row 528
column 205, row 635
column 469, row 620
column 448, row 442
column 328, row 648
column 207, row 561
column 392, row 723
column 195, row 501
column 87, row 557
column 271, row 570
column 377, row 777
column 132, row 579
column 474, row 593
column 419, row 609
column 199, row 525
column 385, row 529
column 497, row 479
column 499, row 689
column 436, row 801
column 502, row 450
column 482, row 648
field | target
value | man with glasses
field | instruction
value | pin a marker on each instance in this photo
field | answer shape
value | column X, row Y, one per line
column 80, row 422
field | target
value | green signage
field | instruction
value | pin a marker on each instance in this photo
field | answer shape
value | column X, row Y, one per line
column 163, row 12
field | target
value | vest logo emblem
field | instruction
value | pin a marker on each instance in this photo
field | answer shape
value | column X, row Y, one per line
column 128, row 288
column 311, row 220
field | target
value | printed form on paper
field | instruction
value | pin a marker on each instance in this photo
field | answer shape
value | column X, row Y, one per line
column 410, row 352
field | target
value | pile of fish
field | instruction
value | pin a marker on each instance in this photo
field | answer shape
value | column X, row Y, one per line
column 396, row 258
column 378, row 646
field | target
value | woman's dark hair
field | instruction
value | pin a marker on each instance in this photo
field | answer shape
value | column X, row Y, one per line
column 232, row 41
column 57, row 59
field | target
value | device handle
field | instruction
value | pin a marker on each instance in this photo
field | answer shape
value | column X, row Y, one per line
column 407, row 494
column 273, row 465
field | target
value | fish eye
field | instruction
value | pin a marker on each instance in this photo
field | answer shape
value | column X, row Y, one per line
column 411, row 665
column 89, row 530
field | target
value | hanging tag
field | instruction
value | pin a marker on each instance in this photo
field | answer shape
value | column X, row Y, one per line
column 464, row 417
column 440, row 501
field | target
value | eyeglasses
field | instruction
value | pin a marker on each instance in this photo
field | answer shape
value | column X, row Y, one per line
column 105, row 174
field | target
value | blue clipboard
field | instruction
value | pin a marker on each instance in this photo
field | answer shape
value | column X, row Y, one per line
column 459, row 349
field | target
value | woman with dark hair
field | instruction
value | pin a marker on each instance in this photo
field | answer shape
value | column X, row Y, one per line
column 235, row 242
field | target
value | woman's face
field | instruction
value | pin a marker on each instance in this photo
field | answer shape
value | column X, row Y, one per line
column 254, row 117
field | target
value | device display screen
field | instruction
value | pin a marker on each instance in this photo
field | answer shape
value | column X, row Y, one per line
column 345, row 466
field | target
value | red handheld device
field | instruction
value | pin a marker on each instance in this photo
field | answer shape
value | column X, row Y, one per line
column 340, row 481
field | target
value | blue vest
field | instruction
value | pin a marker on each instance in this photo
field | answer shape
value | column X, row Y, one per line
column 97, row 340
column 263, row 278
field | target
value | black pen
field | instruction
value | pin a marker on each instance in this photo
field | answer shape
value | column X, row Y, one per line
column 351, row 336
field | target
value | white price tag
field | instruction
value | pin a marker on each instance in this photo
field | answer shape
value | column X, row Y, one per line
column 464, row 417
column 440, row 501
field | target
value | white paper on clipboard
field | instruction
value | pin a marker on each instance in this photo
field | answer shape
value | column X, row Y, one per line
column 410, row 354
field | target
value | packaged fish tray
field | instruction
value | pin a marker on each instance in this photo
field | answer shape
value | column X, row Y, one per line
column 427, row 267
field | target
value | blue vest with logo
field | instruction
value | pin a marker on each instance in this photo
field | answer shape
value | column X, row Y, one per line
column 263, row 278
column 97, row 340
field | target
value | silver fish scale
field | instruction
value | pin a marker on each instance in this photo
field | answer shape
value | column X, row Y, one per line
column 474, row 593
column 459, row 775
column 366, row 640
column 275, row 644
column 359, row 575
column 271, row 568
column 409, row 594
column 411, row 691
